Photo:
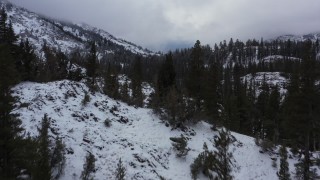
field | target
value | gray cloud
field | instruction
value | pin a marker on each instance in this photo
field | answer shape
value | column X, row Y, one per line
column 164, row 24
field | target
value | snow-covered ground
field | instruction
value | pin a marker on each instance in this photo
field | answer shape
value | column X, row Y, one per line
column 136, row 135
column 267, row 59
column 272, row 58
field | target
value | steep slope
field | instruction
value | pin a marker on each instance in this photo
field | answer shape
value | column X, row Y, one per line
column 136, row 135
column 62, row 35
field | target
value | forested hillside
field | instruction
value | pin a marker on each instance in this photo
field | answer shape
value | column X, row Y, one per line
column 268, row 90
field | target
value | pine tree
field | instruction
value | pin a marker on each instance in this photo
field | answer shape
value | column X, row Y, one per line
column 300, row 109
column 166, row 77
column 111, row 83
column 10, row 37
column 28, row 59
column 62, row 63
column 124, row 92
column 136, row 83
column 223, row 158
column 28, row 156
column 166, row 95
column 273, row 111
column 48, row 163
column 194, row 79
column 7, row 35
column 43, row 169
column 91, row 65
column 309, row 105
column 291, row 107
column 16, row 153
column 301, row 170
column 3, row 26
column 220, row 161
column 120, row 171
column 58, row 158
column 88, row 167
column 242, row 110
column 262, row 106
column 180, row 145
column 49, row 70
column 210, row 93
column 283, row 172
column 171, row 105
column 203, row 163
column 10, row 126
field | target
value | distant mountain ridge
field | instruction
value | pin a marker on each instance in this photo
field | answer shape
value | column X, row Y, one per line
column 62, row 35
column 67, row 36
column 311, row 36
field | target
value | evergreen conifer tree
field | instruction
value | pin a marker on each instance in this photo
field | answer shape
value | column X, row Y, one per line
column 172, row 106
column 10, row 37
column 111, row 83
column 300, row 110
column 88, row 167
column 210, row 91
column 120, row 171
column 3, row 26
column 194, row 79
column 136, row 83
column 91, row 65
column 223, row 163
column 166, row 77
column 43, row 169
column 180, row 144
column 10, row 126
column 49, row 70
column 273, row 119
column 283, row 172
column 28, row 59
column 262, row 106
column 124, row 91
column 204, row 162
column 58, row 158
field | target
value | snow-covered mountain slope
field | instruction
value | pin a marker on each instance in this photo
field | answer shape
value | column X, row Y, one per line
column 271, row 78
column 61, row 35
column 136, row 135
column 270, row 59
column 267, row 59
column 311, row 36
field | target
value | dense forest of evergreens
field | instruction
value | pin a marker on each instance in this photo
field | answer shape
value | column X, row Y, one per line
column 200, row 83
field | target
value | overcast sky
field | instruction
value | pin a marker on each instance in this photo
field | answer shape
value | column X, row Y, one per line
column 163, row 24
